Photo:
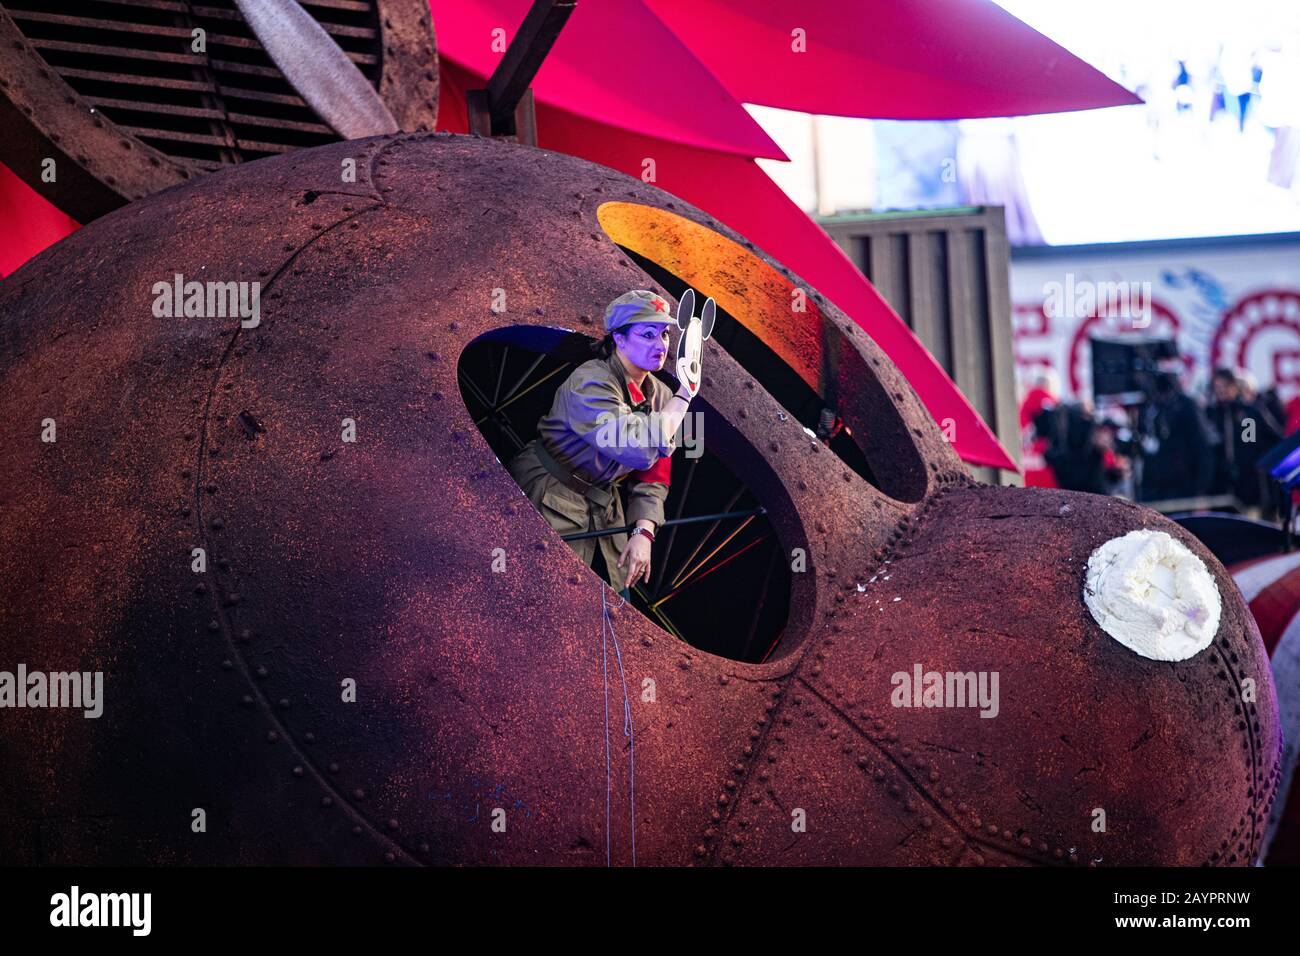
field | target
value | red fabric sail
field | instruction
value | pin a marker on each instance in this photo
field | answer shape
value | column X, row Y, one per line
column 614, row 62
column 887, row 59
column 883, row 58
column 28, row 223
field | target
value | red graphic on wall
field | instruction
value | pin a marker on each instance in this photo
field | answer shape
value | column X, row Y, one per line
column 1261, row 334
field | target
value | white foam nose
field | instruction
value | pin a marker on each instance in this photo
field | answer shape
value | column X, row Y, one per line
column 1149, row 592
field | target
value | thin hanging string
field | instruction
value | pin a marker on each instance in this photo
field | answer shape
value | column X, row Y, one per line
column 607, row 631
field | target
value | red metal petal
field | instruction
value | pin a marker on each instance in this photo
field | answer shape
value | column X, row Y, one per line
column 28, row 223
column 888, row 59
column 614, row 62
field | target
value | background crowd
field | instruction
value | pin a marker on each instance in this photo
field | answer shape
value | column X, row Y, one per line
column 1173, row 446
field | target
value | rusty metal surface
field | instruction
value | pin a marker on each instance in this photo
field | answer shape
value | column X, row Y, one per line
column 479, row 690
column 125, row 107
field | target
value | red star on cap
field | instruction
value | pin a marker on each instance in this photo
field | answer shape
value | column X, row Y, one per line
column 660, row 305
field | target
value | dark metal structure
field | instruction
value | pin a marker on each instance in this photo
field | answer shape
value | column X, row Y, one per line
column 517, row 713
column 505, row 108
column 116, row 93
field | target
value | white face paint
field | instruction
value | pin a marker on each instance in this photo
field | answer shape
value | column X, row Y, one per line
column 1153, row 595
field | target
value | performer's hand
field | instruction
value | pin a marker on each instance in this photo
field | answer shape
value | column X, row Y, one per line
column 636, row 556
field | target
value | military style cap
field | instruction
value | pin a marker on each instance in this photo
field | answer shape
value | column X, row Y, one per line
column 639, row 305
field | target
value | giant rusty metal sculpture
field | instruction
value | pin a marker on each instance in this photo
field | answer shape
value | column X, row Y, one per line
column 178, row 510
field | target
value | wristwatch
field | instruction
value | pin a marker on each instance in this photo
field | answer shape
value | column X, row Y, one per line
column 644, row 531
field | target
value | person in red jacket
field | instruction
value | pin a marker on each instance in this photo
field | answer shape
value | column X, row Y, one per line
column 1032, row 445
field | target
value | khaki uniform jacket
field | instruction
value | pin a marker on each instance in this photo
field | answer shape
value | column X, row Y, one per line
column 600, row 426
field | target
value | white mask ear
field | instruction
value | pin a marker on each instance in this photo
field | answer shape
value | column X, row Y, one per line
column 685, row 309
column 707, row 316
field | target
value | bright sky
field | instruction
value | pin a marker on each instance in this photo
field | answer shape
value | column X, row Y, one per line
column 1117, row 174
column 1097, row 30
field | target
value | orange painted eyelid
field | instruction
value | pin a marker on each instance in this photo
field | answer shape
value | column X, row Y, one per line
column 742, row 284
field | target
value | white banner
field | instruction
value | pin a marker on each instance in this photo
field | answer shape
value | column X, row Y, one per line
column 1233, row 302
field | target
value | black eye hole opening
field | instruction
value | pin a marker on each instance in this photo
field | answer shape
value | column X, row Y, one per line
column 720, row 585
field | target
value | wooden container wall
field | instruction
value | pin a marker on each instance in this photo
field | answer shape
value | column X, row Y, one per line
column 947, row 276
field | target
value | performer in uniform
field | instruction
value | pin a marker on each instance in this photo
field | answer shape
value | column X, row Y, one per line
column 612, row 423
